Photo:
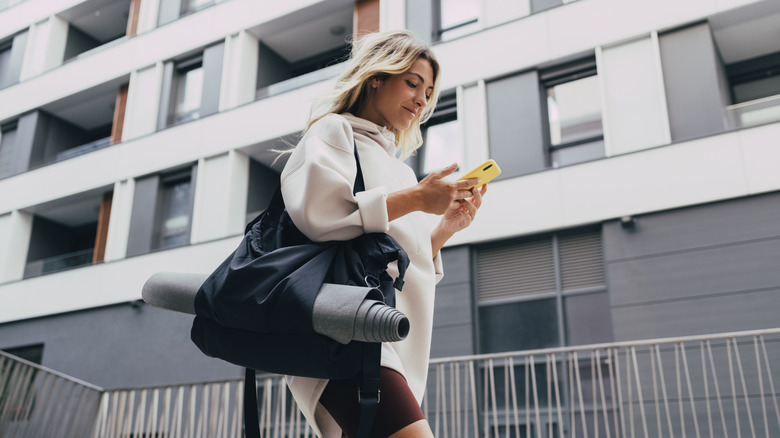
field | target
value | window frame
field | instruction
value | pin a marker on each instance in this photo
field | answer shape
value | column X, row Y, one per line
column 180, row 70
column 559, row 294
column 558, row 75
column 166, row 183
column 446, row 111
column 439, row 31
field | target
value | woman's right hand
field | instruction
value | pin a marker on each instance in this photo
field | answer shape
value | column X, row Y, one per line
column 438, row 195
column 431, row 195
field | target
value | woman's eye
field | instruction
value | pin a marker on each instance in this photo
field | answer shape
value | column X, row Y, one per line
column 411, row 84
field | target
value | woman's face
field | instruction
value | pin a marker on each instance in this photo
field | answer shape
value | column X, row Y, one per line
column 397, row 100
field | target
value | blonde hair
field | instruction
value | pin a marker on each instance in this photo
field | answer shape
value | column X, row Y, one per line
column 380, row 55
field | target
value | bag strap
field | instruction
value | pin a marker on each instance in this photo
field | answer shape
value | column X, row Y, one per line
column 251, row 420
column 368, row 393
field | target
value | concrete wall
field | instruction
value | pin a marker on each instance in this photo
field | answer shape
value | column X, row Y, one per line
column 128, row 345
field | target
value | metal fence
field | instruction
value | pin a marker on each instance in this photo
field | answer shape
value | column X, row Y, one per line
column 700, row 386
column 38, row 402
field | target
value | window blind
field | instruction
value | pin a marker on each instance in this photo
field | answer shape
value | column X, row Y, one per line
column 519, row 269
column 581, row 260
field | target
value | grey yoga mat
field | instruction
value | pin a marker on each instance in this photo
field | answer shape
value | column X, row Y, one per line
column 343, row 313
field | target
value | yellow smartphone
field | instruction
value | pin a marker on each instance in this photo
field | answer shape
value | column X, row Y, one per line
column 485, row 172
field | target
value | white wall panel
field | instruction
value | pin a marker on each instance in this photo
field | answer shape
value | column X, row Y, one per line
column 495, row 12
column 761, row 157
column 15, row 230
column 239, row 74
column 634, row 98
column 119, row 222
column 106, row 283
column 392, row 14
column 269, row 118
column 45, row 47
column 147, row 15
column 143, row 95
column 220, row 197
column 26, row 13
column 187, row 34
column 472, row 114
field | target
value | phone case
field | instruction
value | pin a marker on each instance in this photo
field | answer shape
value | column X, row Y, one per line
column 485, row 172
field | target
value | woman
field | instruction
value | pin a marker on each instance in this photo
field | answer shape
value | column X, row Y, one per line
column 389, row 87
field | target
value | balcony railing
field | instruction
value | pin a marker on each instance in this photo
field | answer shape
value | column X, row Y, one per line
column 59, row 263
column 754, row 112
column 698, row 386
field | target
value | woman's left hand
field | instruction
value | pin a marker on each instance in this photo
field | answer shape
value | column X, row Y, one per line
column 462, row 212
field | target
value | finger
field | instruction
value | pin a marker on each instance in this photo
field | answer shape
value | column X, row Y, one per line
column 466, row 183
column 446, row 171
column 477, row 197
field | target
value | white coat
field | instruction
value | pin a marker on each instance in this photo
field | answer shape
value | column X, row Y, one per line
column 317, row 189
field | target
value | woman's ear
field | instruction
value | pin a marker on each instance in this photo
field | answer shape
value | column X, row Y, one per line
column 374, row 82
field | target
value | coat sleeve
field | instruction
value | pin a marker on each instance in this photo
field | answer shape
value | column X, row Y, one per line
column 317, row 186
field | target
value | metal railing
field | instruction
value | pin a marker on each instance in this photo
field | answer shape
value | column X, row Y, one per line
column 719, row 385
column 59, row 263
column 699, row 386
column 38, row 402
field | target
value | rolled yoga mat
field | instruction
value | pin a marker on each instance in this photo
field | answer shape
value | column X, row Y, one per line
column 343, row 313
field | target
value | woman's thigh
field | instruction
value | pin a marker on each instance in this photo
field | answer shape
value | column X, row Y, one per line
column 397, row 410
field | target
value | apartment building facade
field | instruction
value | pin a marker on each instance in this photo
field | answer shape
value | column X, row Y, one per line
column 640, row 193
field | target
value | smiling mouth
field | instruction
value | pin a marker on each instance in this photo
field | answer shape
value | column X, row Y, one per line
column 413, row 113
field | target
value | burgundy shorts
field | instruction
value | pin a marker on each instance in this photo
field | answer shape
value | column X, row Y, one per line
column 397, row 406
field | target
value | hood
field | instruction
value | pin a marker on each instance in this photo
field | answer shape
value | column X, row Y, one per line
column 371, row 131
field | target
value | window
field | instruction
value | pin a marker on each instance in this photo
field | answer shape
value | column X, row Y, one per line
column 572, row 96
column 455, row 18
column 544, row 292
column 7, row 150
column 161, row 217
column 442, row 138
column 187, row 89
column 175, row 209
column 189, row 6
column 755, row 90
column 5, row 61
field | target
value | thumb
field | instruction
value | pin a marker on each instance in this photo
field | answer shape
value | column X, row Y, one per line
column 446, row 171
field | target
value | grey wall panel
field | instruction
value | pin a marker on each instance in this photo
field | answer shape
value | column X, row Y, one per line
column 452, row 318
column 119, row 346
column 142, row 219
column 693, row 89
column 61, row 136
column 212, row 79
column 452, row 341
column 166, row 96
column 14, row 67
column 702, row 269
column 271, row 68
column 541, row 5
column 419, row 18
column 696, row 316
column 78, row 42
column 515, row 124
column 752, row 218
column 710, row 271
column 26, row 129
column 169, row 11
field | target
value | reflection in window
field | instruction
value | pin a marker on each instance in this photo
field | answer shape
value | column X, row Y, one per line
column 443, row 146
column 188, row 6
column 442, row 138
column 7, row 150
column 458, row 18
column 175, row 212
column 543, row 292
column 573, row 100
column 5, row 62
column 189, row 88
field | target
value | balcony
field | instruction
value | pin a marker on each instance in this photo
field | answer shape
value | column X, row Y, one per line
column 712, row 385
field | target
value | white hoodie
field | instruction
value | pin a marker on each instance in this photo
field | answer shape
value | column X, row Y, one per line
column 317, row 189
